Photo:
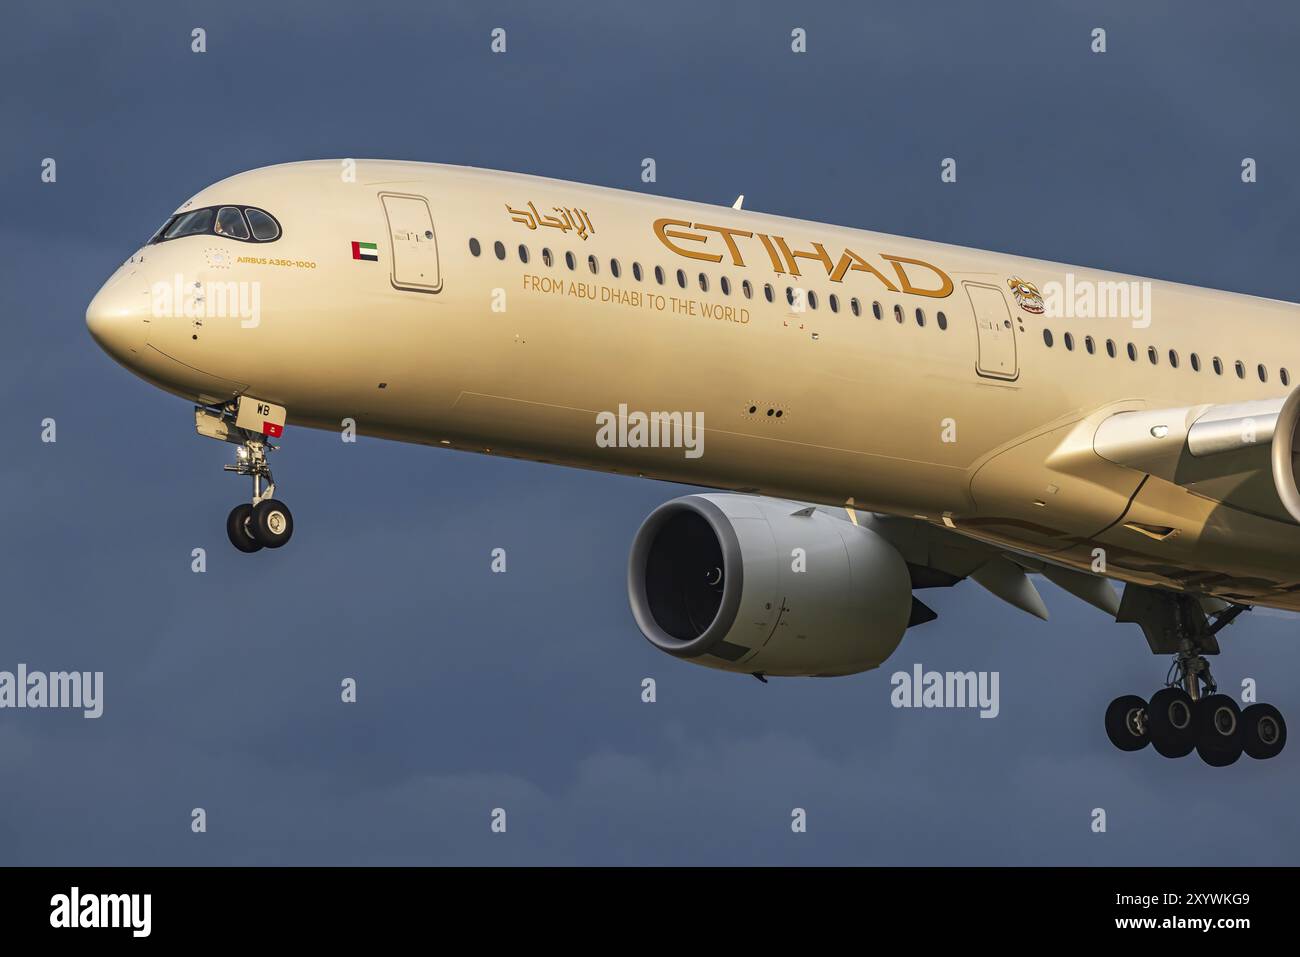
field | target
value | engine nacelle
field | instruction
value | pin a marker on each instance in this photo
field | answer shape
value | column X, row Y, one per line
column 716, row 579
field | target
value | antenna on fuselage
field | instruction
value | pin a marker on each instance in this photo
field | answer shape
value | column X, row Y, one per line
column 740, row 201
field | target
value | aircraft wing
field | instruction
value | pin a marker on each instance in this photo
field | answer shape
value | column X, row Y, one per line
column 938, row 557
column 1241, row 455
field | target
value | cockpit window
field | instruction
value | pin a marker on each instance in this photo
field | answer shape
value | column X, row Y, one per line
column 264, row 227
column 187, row 224
column 230, row 223
column 158, row 233
column 245, row 223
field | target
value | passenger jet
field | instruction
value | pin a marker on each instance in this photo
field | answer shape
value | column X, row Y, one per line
column 870, row 415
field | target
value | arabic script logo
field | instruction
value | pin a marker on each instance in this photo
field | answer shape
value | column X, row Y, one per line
column 569, row 218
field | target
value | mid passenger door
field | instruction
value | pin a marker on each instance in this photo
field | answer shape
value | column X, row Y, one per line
column 995, row 331
column 414, row 242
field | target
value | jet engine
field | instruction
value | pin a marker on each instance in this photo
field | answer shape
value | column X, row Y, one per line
column 766, row 586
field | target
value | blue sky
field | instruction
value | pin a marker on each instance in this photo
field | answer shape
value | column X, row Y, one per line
column 522, row 690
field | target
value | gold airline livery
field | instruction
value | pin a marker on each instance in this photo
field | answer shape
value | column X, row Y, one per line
column 896, row 414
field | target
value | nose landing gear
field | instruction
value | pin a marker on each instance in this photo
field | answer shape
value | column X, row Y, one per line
column 266, row 522
column 1189, row 713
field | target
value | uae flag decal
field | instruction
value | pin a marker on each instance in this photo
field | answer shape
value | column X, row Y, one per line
column 366, row 251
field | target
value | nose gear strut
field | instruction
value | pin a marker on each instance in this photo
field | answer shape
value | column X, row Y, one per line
column 264, row 522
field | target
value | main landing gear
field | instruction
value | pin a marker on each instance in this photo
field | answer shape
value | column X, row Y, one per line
column 265, row 522
column 1189, row 713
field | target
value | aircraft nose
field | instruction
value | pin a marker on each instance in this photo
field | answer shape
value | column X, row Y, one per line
column 115, row 318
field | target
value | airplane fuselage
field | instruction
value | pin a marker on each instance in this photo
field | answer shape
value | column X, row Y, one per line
column 503, row 313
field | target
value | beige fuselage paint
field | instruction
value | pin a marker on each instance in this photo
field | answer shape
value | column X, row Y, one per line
column 987, row 428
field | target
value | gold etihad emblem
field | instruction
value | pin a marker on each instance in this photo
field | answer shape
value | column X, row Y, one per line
column 1027, row 295
column 569, row 219
column 672, row 232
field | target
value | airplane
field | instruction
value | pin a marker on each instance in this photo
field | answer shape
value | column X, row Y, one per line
column 868, row 415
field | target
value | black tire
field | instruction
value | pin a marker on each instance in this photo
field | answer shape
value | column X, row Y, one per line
column 272, row 523
column 239, row 529
column 1171, row 723
column 1218, row 730
column 1126, row 723
column 1263, row 731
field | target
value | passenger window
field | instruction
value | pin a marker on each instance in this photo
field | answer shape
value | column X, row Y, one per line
column 725, row 283
column 767, row 291
column 898, row 313
column 1263, row 373
column 230, row 223
column 523, row 253
column 1090, row 345
column 197, row 221
column 499, row 248
column 681, row 278
column 856, row 307
column 474, row 248
column 570, row 261
column 748, row 289
column 920, row 317
column 942, row 320
column 1284, row 376
column 547, row 258
column 1069, row 341
column 704, row 283
column 812, row 299
column 1241, row 369
column 659, row 275
column 1196, row 362
column 1218, row 366
column 1110, row 348
column 615, row 269
column 1153, row 355
column 1173, row 359
column 875, row 309
column 1047, row 338
column 593, row 264
column 834, row 302
column 636, row 271
column 1132, row 353
column 265, row 228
